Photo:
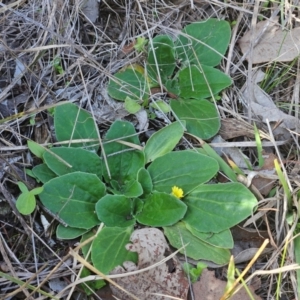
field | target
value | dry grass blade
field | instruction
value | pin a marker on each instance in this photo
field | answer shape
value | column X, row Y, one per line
column 261, row 249
column 11, row 5
column 89, row 266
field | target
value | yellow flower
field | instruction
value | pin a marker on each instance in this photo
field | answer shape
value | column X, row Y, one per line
column 177, row 192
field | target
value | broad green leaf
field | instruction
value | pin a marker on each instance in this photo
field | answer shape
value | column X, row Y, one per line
column 87, row 247
column 37, row 191
column 221, row 239
column 115, row 185
column 123, row 161
column 163, row 141
column 161, row 209
column 36, row 148
column 90, row 287
column 23, row 188
column 179, row 236
column 122, row 130
column 201, row 116
column 200, row 83
column 184, row 169
column 26, row 203
column 115, row 211
column 203, row 42
column 216, row 207
column 129, row 83
column 172, row 86
column 69, row 233
column 132, row 189
column 161, row 105
column 224, row 167
column 132, row 106
column 124, row 166
column 108, row 249
column 79, row 159
column 161, row 58
column 43, row 173
column 138, row 205
column 145, row 180
column 73, row 197
column 129, row 189
column 30, row 173
column 72, row 123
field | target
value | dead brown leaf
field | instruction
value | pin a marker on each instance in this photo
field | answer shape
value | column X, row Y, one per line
column 246, row 243
column 264, row 184
column 128, row 48
column 275, row 44
column 232, row 128
column 248, row 238
column 211, row 288
column 230, row 154
column 263, row 106
column 167, row 279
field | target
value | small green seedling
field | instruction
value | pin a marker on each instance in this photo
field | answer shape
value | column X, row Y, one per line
column 26, row 202
column 140, row 44
column 194, row 273
column 51, row 111
column 32, row 120
column 56, row 63
column 131, row 105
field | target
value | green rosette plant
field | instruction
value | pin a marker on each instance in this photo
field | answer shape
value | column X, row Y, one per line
column 184, row 67
column 124, row 184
